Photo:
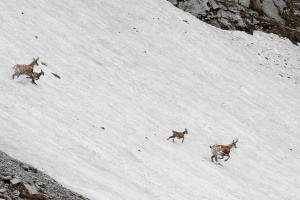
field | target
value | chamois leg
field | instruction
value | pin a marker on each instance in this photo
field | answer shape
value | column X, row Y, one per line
column 171, row 137
column 227, row 158
column 222, row 155
column 13, row 76
column 182, row 139
column 32, row 80
column 214, row 156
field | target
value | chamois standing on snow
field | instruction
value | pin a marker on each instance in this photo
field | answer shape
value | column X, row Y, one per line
column 178, row 135
column 35, row 76
column 222, row 150
column 24, row 69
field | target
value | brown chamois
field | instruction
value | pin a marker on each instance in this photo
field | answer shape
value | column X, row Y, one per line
column 24, row 69
column 35, row 76
column 222, row 150
column 178, row 135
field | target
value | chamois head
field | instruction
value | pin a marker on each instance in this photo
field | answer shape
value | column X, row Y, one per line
column 185, row 131
column 34, row 62
column 234, row 143
column 42, row 73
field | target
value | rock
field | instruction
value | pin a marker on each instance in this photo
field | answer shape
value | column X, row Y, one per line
column 25, row 167
column 43, row 63
column 31, row 189
column 6, row 174
column 2, row 190
column 57, row 76
column 25, row 193
column 16, row 193
column 15, row 181
column 40, row 184
column 5, row 178
column 29, row 168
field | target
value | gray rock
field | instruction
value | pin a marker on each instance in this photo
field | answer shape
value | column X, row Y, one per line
column 29, row 168
column 272, row 7
column 40, row 184
column 6, row 174
column 31, row 189
column 245, row 3
column 15, row 181
column 5, row 178
column 16, row 193
column 213, row 4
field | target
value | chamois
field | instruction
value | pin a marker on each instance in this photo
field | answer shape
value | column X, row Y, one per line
column 24, row 69
column 178, row 135
column 222, row 150
column 35, row 76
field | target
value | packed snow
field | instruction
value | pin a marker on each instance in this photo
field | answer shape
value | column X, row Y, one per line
column 131, row 72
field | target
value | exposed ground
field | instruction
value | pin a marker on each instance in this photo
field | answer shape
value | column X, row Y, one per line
column 19, row 180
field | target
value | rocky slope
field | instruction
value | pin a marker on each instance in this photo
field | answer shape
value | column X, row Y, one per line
column 281, row 17
column 21, row 181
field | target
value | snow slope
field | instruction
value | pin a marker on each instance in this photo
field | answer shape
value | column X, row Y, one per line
column 141, row 68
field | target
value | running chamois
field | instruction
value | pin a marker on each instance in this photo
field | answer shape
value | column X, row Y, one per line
column 179, row 135
column 222, row 150
column 24, row 69
column 35, row 76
